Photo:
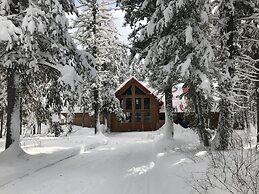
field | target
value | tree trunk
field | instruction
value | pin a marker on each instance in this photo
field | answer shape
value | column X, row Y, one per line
column 13, row 110
column 257, row 107
column 224, row 130
column 70, row 118
column 20, row 116
column 194, row 98
column 105, row 114
column 38, row 126
column 98, row 125
column 33, row 130
column 96, row 89
column 169, row 124
column 257, row 95
column 2, row 123
column 106, row 124
column 96, row 110
column 201, row 123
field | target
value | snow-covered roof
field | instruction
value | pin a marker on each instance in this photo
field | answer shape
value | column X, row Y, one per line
column 178, row 103
column 125, row 82
column 145, row 84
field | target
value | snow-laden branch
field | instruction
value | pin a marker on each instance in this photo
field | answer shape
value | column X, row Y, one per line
column 8, row 31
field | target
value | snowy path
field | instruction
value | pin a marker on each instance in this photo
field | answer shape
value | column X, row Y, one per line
column 127, row 165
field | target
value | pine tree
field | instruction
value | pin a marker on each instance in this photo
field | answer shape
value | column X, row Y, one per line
column 234, row 46
column 34, row 102
column 173, row 41
column 35, row 42
column 200, row 42
column 201, row 106
column 96, row 34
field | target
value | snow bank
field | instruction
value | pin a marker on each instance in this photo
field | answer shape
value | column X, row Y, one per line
column 184, row 138
column 41, row 152
column 17, row 166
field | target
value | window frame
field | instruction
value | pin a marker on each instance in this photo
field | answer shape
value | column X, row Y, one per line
column 147, row 116
column 138, row 117
column 139, row 105
column 148, row 103
column 126, row 104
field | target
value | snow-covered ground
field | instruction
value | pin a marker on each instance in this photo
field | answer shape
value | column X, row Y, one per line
column 120, row 163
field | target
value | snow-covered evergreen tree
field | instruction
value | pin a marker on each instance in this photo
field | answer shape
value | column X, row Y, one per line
column 35, row 104
column 34, row 40
column 173, row 39
column 137, row 68
column 96, row 34
column 235, row 46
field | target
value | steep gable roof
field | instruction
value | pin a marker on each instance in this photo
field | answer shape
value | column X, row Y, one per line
column 132, row 81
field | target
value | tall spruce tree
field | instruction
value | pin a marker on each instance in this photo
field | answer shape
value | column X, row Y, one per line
column 174, row 41
column 34, row 40
column 96, row 34
column 235, row 48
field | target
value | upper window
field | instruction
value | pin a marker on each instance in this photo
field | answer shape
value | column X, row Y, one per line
column 138, row 103
column 146, row 103
column 128, row 92
column 128, row 103
column 138, row 91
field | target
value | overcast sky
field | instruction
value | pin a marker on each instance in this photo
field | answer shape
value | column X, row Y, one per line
column 118, row 21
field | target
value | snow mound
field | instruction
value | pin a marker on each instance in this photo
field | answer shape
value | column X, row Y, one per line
column 16, row 164
column 39, row 153
column 184, row 140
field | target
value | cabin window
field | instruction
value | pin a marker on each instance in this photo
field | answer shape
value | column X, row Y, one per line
column 128, row 92
column 138, row 117
column 138, row 91
column 138, row 103
column 147, row 117
column 146, row 103
column 128, row 103
column 128, row 117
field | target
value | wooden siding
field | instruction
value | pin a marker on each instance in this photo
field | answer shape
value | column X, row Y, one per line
column 142, row 125
column 82, row 119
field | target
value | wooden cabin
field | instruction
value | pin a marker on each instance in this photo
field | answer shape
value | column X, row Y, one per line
column 140, row 106
column 143, row 110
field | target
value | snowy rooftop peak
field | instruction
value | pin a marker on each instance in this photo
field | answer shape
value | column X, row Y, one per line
column 124, row 83
column 144, row 84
